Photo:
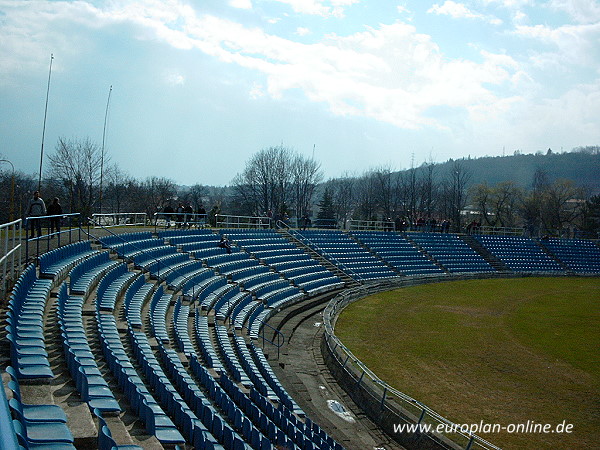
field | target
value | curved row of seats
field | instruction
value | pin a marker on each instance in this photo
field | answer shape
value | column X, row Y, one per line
column 519, row 253
column 157, row 411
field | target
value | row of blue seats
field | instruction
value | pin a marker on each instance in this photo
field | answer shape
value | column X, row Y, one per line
column 31, row 425
column 136, row 392
column 85, row 275
column 56, row 263
column 169, row 234
column 578, row 255
column 112, row 284
column 135, row 297
column 180, row 318
column 159, row 306
column 131, row 249
column 25, row 325
column 207, row 350
column 81, row 362
column 176, row 279
column 115, row 239
column 209, row 427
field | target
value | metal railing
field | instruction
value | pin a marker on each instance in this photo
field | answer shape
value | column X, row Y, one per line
column 499, row 231
column 323, row 253
column 387, row 400
column 180, row 220
column 278, row 337
column 119, row 219
column 68, row 230
column 11, row 257
column 371, row 225
column 227, row 221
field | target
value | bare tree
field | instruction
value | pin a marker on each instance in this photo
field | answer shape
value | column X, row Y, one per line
column 76, row 164
column 194, row 196
column 562, row 204
column 154, row 193
column 306, row 174
column 343, row 191
column 427, row 190
column 382, row 179
column 274, row 178
column 497, row 205
column 366, row 195
column 117, row 193
column 454, row 195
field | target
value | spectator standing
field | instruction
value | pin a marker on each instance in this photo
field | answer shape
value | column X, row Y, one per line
column 189, row 214
column 201, row 216
column 168, row 212
column 35, row 209
column 55, row 211
column 179, row 211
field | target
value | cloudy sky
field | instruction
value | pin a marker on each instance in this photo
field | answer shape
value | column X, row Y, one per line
column 198, row 86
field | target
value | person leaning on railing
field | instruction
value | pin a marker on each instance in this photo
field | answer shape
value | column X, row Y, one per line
column 35, row 209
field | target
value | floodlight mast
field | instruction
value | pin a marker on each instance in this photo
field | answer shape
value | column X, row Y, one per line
column 103, row 146
column 44, row 127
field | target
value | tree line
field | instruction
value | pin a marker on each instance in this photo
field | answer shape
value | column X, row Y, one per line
column 279, row 182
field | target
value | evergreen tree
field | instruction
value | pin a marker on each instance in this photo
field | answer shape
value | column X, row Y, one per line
column 326, row 214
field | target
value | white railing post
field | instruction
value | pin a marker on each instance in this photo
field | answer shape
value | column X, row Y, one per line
column 11, row 232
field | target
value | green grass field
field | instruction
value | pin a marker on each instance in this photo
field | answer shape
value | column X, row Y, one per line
column 500, row 350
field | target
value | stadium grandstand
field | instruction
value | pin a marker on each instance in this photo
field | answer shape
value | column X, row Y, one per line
column 147, row 337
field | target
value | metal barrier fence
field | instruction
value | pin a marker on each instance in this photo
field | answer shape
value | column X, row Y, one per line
column 11, row 254
column 227, row 221
column 385, row 404
column 119, row 219
column 180, row 220
column 499, row 231
column 371, row 225
column 66, row 228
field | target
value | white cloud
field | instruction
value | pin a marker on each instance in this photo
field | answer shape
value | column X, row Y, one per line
column 520, row 18
column 302, row 31
column 324, row 8
column 582, row 11
column 257, row 91
column 174, row 78
column 460, row 11
column 390, row 73
column 241, row 4
column 509, row 4
column 573, row 44
column 403, row 9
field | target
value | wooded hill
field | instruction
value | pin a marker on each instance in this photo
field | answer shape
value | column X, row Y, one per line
column 582, row 167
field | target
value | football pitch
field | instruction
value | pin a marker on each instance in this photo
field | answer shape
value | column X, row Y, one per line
column 496, row 351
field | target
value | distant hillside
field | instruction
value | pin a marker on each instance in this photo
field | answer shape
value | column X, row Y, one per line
column 582, row 168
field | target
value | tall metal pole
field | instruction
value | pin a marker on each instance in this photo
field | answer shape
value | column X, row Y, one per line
column 44, row 128
column 102, row 154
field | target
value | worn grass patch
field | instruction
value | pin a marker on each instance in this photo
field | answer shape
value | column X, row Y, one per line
column 501, row 350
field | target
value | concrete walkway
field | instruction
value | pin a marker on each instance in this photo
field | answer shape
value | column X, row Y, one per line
column 302, row 371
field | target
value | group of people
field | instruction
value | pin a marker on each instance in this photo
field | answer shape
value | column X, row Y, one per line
column 36, row 209
column 473, row 227
column 184, row 215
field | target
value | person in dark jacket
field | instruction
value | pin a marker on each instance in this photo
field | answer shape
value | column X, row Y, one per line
column 55, row 211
